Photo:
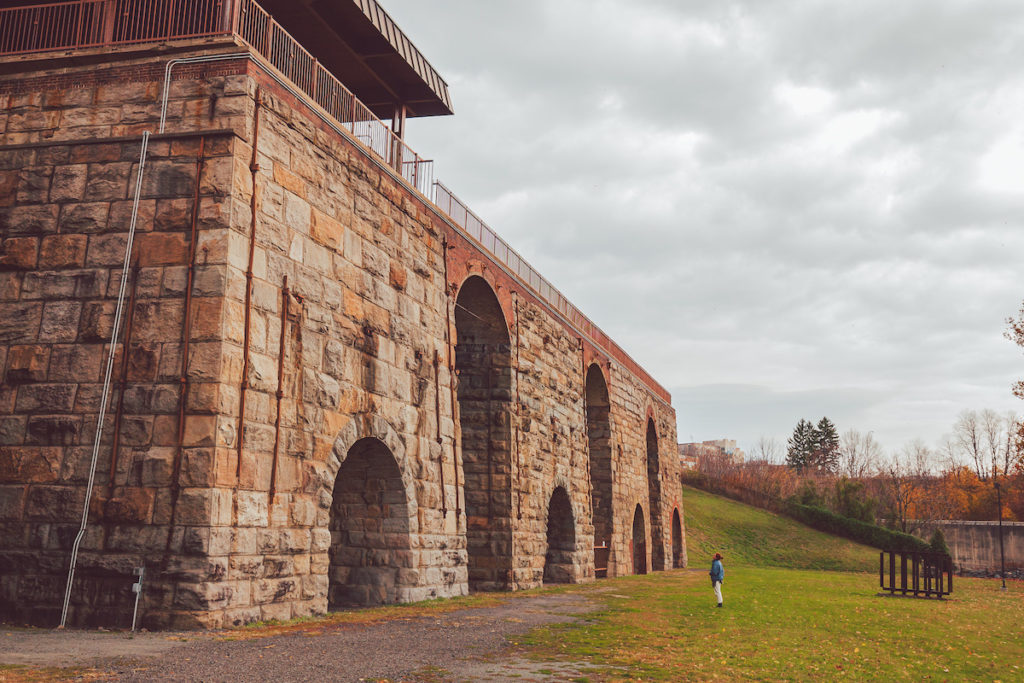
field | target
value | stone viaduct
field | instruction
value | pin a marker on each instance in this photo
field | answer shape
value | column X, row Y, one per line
column 331, row 384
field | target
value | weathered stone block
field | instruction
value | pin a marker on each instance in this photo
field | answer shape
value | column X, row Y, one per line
column 162, row 248
column 46, row 398
column 76, row 363
column 68, row 184
column 54, row 503
column 56, row 430
column 27, row 363
column 60, row 321
column 19, row 253
column 29, row 219
column 130, row 506
column 63, row 251
column 12, row 502
column 84, row 218
column 107, row 181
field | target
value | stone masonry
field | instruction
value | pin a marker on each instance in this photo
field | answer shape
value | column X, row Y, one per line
column 325, row 393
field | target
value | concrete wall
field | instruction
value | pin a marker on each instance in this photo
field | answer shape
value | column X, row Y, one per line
column 320, row 291
column 975, row 545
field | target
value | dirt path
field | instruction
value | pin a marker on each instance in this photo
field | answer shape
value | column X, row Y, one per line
column 468, row 644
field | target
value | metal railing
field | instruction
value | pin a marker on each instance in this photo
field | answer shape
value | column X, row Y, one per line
column 105, row 23
column 97, row 23
column 268, row 38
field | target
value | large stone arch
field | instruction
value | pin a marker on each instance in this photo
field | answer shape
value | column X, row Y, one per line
column 483, row 362
column 363, row 427
column 654, row 497
column 369, row 494
column 599, row 442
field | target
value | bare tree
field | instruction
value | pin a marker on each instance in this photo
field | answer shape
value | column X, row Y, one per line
column 1012, row 448
column 767, row 449
column 969, row 439
column 859, row 454
column 994, row 443
column 905, row 475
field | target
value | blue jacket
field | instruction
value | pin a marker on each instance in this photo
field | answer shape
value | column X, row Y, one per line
column 717, row 572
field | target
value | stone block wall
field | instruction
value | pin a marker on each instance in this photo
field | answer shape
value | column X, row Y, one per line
column 69, row 155
column 287, row 431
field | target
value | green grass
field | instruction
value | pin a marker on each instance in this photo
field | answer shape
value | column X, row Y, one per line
column 791, row 625
column 751, row 537
column 800, row 605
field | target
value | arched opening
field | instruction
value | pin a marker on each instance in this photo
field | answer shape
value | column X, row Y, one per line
column 639, row 544
column 677, row 540
column 369, row 524
column 483, row 361
column 654, row 498
column 599, row 439
column 558, row 561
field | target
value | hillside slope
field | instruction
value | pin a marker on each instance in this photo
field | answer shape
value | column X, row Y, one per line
column 751, row 537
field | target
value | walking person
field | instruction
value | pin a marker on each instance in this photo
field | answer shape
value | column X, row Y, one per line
column 717, row 576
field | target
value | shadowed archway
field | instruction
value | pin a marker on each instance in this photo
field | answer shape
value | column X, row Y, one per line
column 599, row 440
column 369, row 525
column 677, row 540
column 483, row 361
column 558, row 560
column 654, row 498
column 639, row 543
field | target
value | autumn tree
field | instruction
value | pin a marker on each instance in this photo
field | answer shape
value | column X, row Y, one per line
column 904, row 477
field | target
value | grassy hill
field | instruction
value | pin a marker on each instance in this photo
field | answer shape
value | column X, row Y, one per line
column 751, row 537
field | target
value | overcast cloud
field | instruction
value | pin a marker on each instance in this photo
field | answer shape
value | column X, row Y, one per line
column 782, row 209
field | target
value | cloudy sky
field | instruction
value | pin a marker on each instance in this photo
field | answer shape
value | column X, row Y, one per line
column 783, row 209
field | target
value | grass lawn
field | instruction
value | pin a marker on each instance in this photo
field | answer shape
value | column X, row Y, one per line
column 800, row 605
column 791, row 625
column 751, row 537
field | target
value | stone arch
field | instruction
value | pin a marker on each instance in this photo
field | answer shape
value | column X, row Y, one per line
column 638, row 544
column 654, row 497
column 599, row 442
column 363, row 427
column 370, row 557
column 559, row 565
column 677, row 540
column 483, row 361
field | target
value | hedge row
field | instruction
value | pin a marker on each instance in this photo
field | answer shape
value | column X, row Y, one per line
column 855, row 530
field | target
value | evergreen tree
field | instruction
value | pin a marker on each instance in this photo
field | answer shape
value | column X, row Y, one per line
column 938, row 542
column 826, row 448
column 800, row 447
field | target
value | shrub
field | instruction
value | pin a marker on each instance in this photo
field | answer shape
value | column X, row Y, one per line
column 855, row 530
column 852, row 501
column 938, row 542
column 808, row 495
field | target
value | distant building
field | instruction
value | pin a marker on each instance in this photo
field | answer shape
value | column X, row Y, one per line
column 691, row 453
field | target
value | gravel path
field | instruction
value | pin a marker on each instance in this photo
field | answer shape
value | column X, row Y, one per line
column 467, row 644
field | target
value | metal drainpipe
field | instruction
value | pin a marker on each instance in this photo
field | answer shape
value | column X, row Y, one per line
column 286, row 295
column 254, row 168
column 186, row 339
column 440, row 441
column 105, row 399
